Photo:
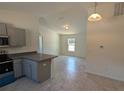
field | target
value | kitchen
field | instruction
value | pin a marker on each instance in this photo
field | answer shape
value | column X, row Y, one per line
column 33, row 65
column 54, row 46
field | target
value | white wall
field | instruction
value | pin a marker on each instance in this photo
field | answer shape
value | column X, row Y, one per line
column 50, row 40
column 22, row 20
column 80, row 45
column 107, row 61
column 33, row 28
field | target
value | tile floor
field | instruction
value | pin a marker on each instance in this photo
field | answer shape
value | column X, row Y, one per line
column 68, row 74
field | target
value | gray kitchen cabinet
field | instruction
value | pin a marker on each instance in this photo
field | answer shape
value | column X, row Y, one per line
column 16, row 36
column 12, row 35
column 3, row 30
column 26, row 68
column 20, row 37
column 44, row 71
column 18, row 68
column 30, row 69
column 37, row 71
column 33, row 68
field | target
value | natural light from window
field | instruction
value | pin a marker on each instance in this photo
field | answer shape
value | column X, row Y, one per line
column 71, row 44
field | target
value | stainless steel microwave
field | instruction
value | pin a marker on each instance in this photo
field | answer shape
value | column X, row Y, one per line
column 4, row 41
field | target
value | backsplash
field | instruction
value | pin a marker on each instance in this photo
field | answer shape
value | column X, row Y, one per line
column 17, row 50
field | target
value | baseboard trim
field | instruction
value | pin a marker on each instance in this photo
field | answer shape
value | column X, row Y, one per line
column 105, row 76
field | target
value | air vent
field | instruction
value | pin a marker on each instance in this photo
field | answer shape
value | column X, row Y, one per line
column 119, row 9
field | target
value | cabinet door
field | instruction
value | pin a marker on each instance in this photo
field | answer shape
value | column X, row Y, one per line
column 20, row 37
column 17, row 68
column 30, row 69
column 26, row 68
column 38, row 71
column 3, row 30
column 33, row 68
column 12, row 35
column 44, row 70
column 16, row 36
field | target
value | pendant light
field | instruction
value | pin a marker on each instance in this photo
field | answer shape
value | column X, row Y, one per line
column 95, row 16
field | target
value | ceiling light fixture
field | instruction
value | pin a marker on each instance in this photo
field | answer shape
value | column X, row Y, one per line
column 66, row 27
column 95, row 16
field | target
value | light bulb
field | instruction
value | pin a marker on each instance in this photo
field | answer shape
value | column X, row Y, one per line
column 66, row 27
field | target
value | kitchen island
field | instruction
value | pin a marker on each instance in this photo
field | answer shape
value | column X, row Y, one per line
column 33, row 65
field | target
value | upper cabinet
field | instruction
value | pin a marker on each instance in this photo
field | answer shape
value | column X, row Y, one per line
column 3, row 30
column 16, row 36
column 20, row 37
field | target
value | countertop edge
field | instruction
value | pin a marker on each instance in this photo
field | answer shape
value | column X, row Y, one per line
column 32, row 56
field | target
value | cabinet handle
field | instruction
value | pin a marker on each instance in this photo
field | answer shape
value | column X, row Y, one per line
column 44, row 64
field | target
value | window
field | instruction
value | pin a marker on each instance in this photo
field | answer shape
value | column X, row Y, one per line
column 71, row 44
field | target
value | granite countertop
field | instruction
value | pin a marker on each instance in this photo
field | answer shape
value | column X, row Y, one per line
column 34, row 56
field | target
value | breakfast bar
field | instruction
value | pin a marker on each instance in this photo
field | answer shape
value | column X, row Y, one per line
column 32, row 65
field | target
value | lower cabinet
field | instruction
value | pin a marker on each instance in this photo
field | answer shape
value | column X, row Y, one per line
column 44, row 70
column 37, row 71
column 29, row 69
column 17, row 68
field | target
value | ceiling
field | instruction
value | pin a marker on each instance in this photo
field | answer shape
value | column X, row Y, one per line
column 40, row 8
column 55, row 15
